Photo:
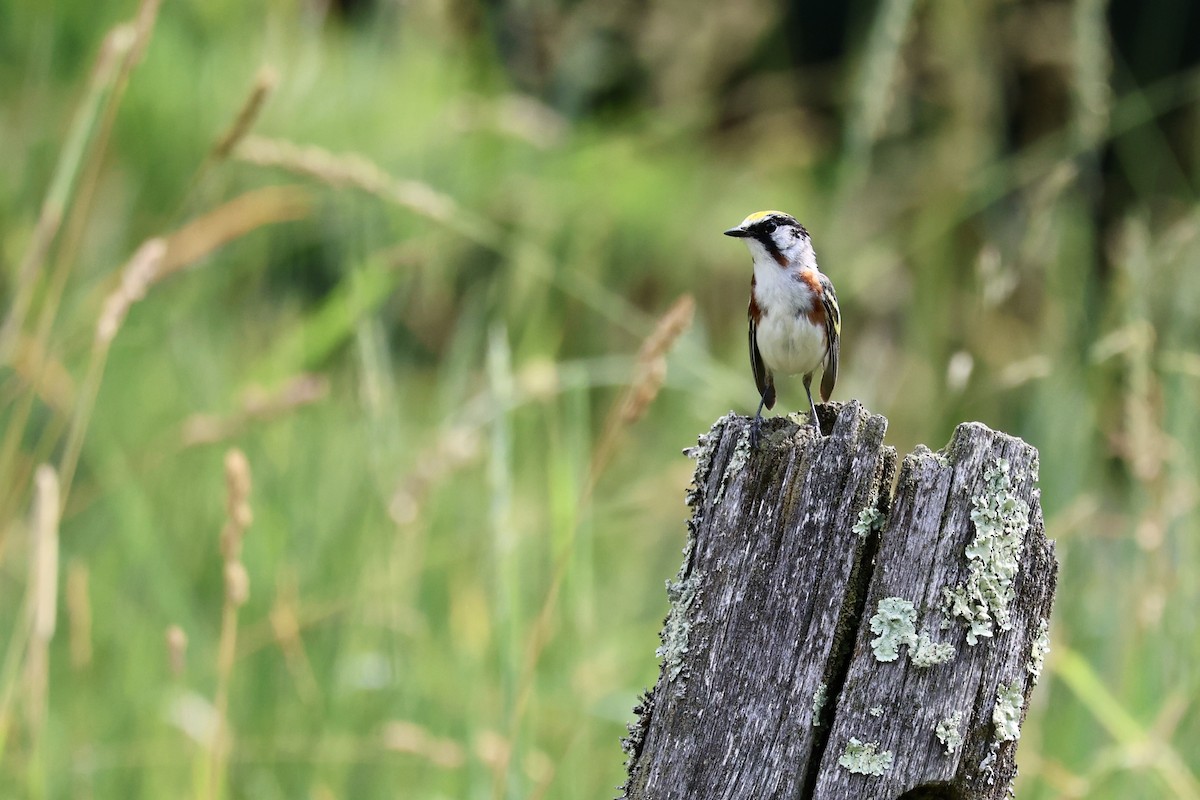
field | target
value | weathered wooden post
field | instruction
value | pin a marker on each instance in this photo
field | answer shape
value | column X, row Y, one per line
column 829, row 640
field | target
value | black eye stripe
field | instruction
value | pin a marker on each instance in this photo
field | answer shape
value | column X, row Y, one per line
column 766, row 227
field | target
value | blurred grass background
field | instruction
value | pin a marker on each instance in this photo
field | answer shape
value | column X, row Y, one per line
column 450, row 276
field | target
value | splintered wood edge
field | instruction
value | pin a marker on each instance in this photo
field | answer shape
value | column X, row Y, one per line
column 972, row 754
column 789, row 509
column 929, row 708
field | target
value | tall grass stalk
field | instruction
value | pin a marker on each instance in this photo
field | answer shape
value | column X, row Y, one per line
column 506, row 564
column 43, row 604
column 79, row 614
column 43, row 593
column 876, row 86
column 641, row 391
column 353, row 170
column 264, row 83
column 1137, row 744
column 80, row 208
column 117, row 45
column 77, row 168
column 237, row 591
column 650, row 372
column 157, row 259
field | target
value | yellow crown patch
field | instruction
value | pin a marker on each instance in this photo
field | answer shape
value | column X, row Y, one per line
column 757, row 215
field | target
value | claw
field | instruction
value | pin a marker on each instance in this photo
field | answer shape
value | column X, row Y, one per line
column 812, row 417
column 755, row 432
column 756, row 423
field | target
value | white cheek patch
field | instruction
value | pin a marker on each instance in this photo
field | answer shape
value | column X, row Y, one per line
column 799, row 252
column 758, row 252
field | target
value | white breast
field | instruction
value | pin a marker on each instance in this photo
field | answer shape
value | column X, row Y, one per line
column 789, row 343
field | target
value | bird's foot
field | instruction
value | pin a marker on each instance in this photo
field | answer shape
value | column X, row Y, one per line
column 755, row 432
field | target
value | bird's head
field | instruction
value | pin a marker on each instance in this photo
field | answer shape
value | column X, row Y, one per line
column 776, row 236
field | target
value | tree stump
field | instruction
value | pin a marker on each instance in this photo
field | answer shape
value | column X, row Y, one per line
column 827, row 639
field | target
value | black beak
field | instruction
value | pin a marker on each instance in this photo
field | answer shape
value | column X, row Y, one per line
column 739, row 233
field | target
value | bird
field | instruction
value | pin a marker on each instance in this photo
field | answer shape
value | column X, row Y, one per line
column 795, row 322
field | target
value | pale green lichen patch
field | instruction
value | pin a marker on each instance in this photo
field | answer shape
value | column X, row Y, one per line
column 869, row 519
column 865, row 758
column 1006, row 716
column 1001, row 520
column 1037, row 653
column 948, row 733
column 819, row 698
column 875, row 711
column 959, row 604
column 929, row 653
column 894, row 624
column 677, row 629
column 799, row 418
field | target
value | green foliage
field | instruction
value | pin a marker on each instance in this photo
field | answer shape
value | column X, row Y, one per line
column 466, row 479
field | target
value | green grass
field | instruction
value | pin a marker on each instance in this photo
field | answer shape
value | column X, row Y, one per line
column 456, row 559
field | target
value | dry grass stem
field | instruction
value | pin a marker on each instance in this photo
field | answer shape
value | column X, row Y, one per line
column 258, row 405
column 43, row 593
column 159, row 258
column 456, row 448
column 493, row 749
column 232, row 220
column 652, row 359
column 648, row 376
column 517, row 115
column 177, row 643
column 143, row 25
column 264, row 83
column 117, row 45
column 540, row 769
column 163, row 256
column 285, row 625
column 44, row 374
column 76, row 173
column 136, row 277
column 237, row 591
column 647, row 380
column 237, row 505
column 79, row 614
column 408, row 737
column 354, row 171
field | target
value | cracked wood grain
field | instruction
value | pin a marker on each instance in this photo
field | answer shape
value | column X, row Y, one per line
column 771, row 684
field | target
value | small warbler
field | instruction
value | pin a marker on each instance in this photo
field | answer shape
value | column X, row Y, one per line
column 795, row 323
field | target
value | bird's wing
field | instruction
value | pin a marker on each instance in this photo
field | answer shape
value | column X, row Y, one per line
column 762, row 376
column 833, row 334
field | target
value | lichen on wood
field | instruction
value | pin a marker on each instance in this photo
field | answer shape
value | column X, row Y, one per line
column 770, row 681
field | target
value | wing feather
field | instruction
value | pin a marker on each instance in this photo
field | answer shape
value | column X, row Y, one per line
column 762, row 376
column 833, row 335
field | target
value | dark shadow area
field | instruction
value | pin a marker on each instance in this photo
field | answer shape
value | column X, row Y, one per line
column 933, row 791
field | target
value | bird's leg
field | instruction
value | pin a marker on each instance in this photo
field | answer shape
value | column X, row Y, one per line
column 811, row 405
column 756, row 423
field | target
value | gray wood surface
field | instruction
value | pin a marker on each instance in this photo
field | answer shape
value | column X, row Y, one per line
column 818, row 649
